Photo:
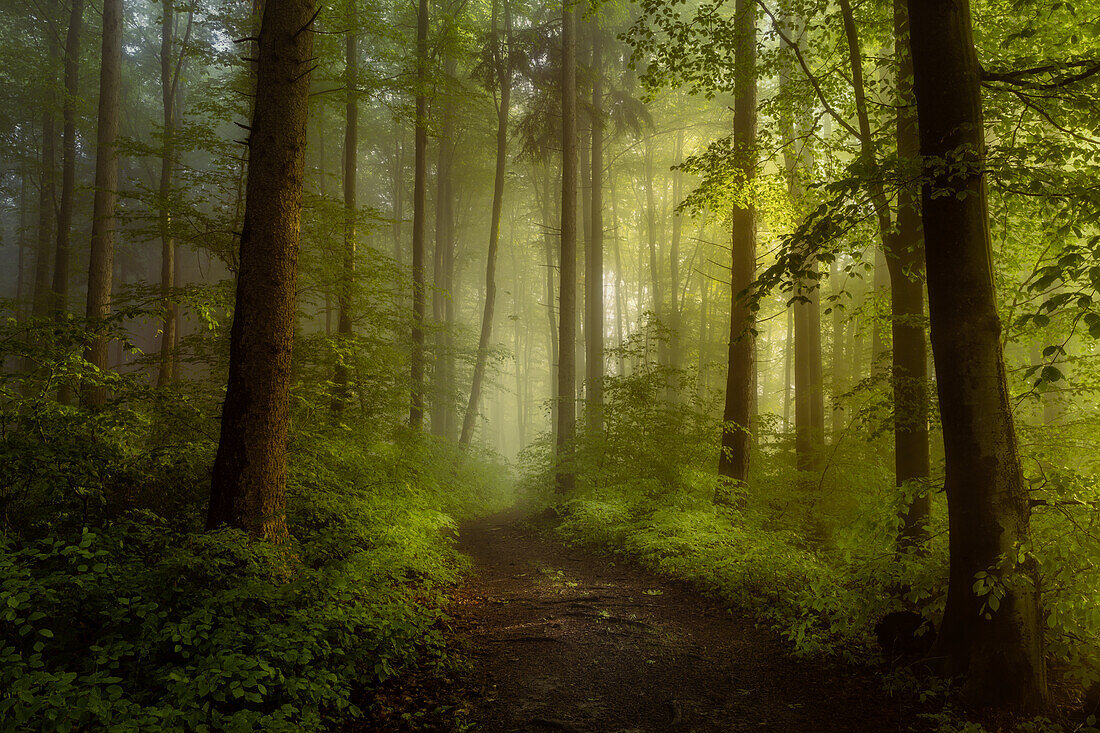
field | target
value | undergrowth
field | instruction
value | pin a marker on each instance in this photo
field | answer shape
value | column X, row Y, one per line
column 117, row 612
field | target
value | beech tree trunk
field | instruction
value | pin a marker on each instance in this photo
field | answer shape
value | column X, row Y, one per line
column 443, row 389
column 905, row 258
column 47, row 179
column 733, row 463
column 351, row 170
column 248, row 490
column 420, row 183
column 565, row 478
column 998, row 646
column 594, row 295
column 169, row 85
column 101, row 260
column 503, row 65
column 60, row 289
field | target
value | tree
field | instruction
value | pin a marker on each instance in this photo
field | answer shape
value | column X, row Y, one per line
column 169, row 89
column 101, row 259
column 248, row 489
column 905, row 259
column 60, row 289
column 351, row 159
column 593, row 261
column 502, row 70
column 567, row 296
column 733, row 462
column 48, row 174
column 420, row 187
column 992, row 629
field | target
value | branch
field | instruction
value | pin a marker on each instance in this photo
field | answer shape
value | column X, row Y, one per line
column 1089, row 67
column 809, row 74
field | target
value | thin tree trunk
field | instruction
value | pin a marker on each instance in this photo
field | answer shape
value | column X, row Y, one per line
column 248, row 490
column 552, row 348
column 60, row 288
column 341, row 396
column 101, row 260
column 594, row 295
column 169, row 83
column 502, row 63
column 733, row 463
column 420, row 183
column 43, row 298
column 567, row 300
column 674, row 308
column 997, row 646
column 905, row 258
column 442, row 389
column 839, row 364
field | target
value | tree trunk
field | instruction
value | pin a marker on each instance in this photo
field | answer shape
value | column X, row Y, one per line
column 552, row 347
column 839, row 364
column 248, row 490
column 905, row 258
column 998, row 646
column 503, row 65
column 346, row 280
column 594, row 295
column 567, row 299
column 60, row 289
column 443, row 391
column 675, row 360
column 43, row 297
column 168, row 88
column 733, row 464
column 101, row 259
column 420, row 183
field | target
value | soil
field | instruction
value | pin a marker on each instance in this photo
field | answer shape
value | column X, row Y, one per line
column 569, row 641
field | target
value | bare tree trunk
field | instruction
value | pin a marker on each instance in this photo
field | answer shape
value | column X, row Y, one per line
column 341, row 396
column 905, row 258
column 552, row 348
column 594, row 295
column 43, row 298
column 839, row 364
column 503, row 65
column 101, row 260
column 733, row 463
column 565, row 479
column 997, row 645
column 169, row 83
column 60, row 288
column 248, row 490
column 420, row 183
column 674, row 265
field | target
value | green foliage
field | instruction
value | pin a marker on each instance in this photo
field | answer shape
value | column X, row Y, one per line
column 117, row 614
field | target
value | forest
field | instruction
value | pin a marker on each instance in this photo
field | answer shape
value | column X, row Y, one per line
column 494, row 365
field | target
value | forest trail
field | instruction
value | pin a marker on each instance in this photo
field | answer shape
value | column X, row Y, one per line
column 564, row 640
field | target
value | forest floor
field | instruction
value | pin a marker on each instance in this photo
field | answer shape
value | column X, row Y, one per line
column 565, row 640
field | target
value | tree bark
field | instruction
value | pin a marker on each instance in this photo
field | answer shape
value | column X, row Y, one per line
column 101, row 259
column 248, row 490
column 565, row 478
column 733, row 464
column 594, row 295
column 47, row 181
column 346, row 280
column 503, row 65
column 420, row 183
column 905, row 258
column 60, row 289
column 169, row 84
column 998, row 647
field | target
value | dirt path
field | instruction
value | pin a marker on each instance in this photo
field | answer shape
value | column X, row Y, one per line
column 568, row 641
